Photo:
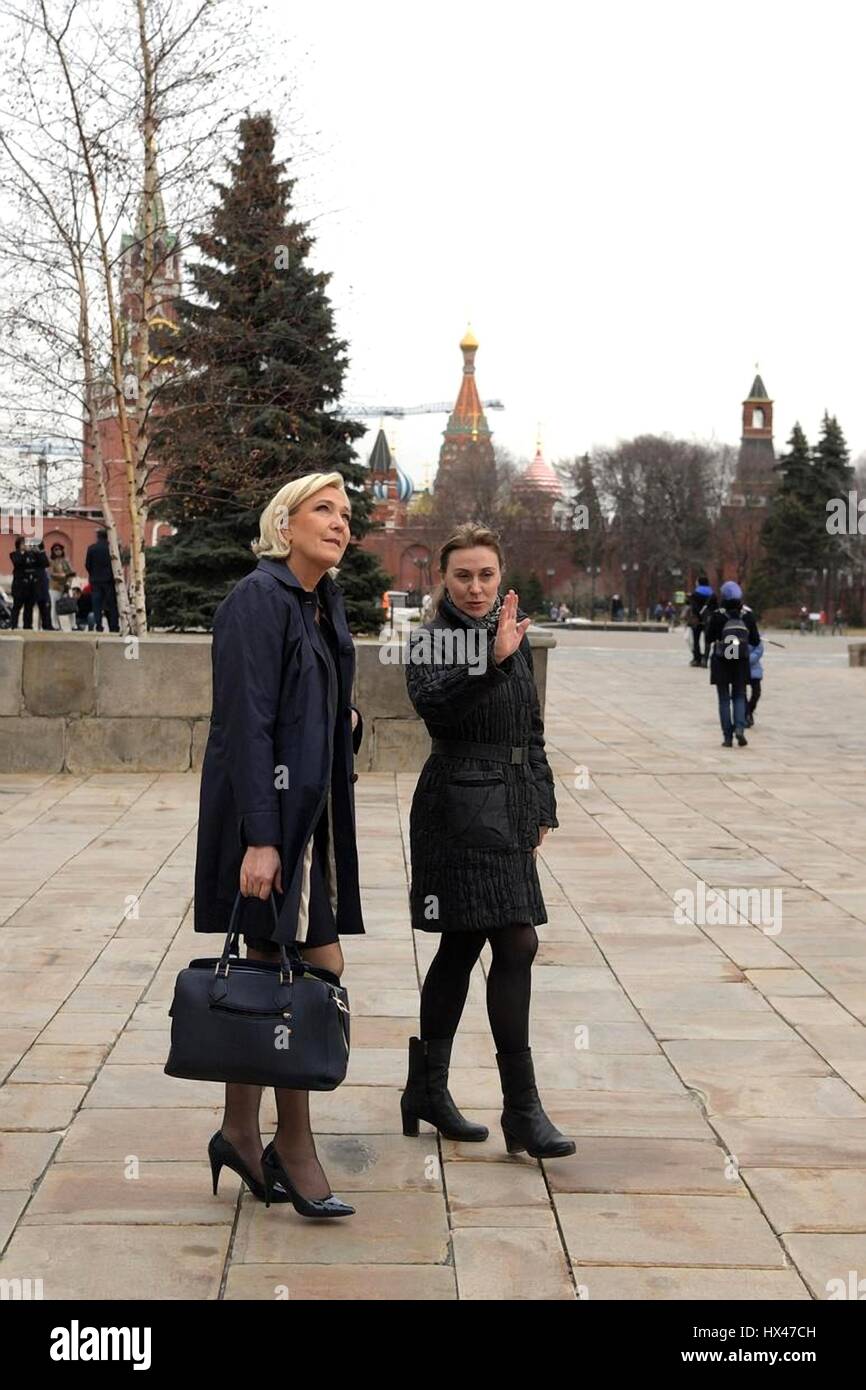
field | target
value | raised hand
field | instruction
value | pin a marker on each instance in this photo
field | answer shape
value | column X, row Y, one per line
column 509, row 632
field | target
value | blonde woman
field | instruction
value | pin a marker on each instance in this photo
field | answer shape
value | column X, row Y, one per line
column 483, row 803
column 277, row 797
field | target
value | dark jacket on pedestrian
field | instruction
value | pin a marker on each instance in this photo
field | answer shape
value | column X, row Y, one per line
column 29, row 569
column 97, row 562
column 42, row 589
column 19, row 572
column 703, row 603
column 474, row 823
column 272, row 744
column 731, row 669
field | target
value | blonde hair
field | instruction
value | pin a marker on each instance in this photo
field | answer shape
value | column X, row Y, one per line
column 467, row 535
column 281, row 506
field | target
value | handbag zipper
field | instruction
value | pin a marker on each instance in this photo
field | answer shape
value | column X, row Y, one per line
column 251, row 1013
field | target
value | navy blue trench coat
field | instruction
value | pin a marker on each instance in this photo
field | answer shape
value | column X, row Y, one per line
column 279, row 722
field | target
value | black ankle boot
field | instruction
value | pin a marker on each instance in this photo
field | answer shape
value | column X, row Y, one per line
column 524, row 1123
column 427, row 1097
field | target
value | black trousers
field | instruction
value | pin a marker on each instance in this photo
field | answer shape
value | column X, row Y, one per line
column 105, row 601
column 26, row 601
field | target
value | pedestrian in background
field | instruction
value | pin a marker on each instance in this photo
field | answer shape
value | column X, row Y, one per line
column 29, row 583
column 97, row 562
column 731, row 631
column 702, row 604
column 60, row 572
column 756, row 677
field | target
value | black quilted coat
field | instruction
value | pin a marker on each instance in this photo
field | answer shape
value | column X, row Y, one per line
column 474, row 823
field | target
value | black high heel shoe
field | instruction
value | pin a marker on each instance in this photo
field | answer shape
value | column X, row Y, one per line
column 276, row 1176
column 223, row 1154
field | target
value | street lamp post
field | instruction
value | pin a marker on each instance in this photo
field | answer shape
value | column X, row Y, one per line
column 592, row 571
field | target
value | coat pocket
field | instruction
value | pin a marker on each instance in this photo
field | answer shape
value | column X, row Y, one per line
column 476, row 810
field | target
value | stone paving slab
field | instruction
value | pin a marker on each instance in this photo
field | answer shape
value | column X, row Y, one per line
column 630, row 1282
column 713, row 1072
column 660, row 1229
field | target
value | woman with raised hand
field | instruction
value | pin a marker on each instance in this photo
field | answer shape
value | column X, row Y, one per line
column 483, row 803
column 277, row 797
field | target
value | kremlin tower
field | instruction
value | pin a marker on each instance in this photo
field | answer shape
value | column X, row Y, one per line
column 467, row 440
column 756, row 478
column 409, row 534
column 753, row 484
column 538, row 488
column 390, row 486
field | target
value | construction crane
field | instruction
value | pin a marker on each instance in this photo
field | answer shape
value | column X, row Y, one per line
column 436, row 408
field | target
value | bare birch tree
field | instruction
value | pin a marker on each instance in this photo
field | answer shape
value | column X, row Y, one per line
column 113, row 111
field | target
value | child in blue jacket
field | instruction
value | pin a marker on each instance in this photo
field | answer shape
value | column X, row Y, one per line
column 756, row 675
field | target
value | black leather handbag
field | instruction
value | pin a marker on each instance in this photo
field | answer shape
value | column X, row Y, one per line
column 284, row 1023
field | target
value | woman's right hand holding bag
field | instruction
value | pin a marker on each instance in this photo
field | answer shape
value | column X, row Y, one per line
column 261, row 872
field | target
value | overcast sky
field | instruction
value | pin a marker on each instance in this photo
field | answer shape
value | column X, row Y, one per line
column 633, row 203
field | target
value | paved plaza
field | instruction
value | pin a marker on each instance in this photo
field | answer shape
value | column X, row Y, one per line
column 712, row 1072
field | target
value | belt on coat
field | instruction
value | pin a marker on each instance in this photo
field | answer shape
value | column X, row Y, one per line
column 494, row 752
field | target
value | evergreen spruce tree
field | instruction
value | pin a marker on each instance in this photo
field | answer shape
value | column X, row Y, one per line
column 532, row 598
column 516, row 580
column 833, row 472
column 795, row 466
column 589, row 526
column 588, row 521
column 791, row 535
column 833, row 477
column 798, row 548
column 254, row 402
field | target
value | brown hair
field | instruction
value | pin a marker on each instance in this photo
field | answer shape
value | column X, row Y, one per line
column 466, row 535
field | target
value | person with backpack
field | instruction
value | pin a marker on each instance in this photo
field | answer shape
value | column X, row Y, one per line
column 731, row 631
column 702, row 605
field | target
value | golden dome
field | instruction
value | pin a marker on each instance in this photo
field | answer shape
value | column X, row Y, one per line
column 469, row 339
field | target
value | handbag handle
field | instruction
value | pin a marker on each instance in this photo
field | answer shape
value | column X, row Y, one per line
column 233, row 935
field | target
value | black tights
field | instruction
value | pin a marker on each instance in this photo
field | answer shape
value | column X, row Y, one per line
column 446, row 984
